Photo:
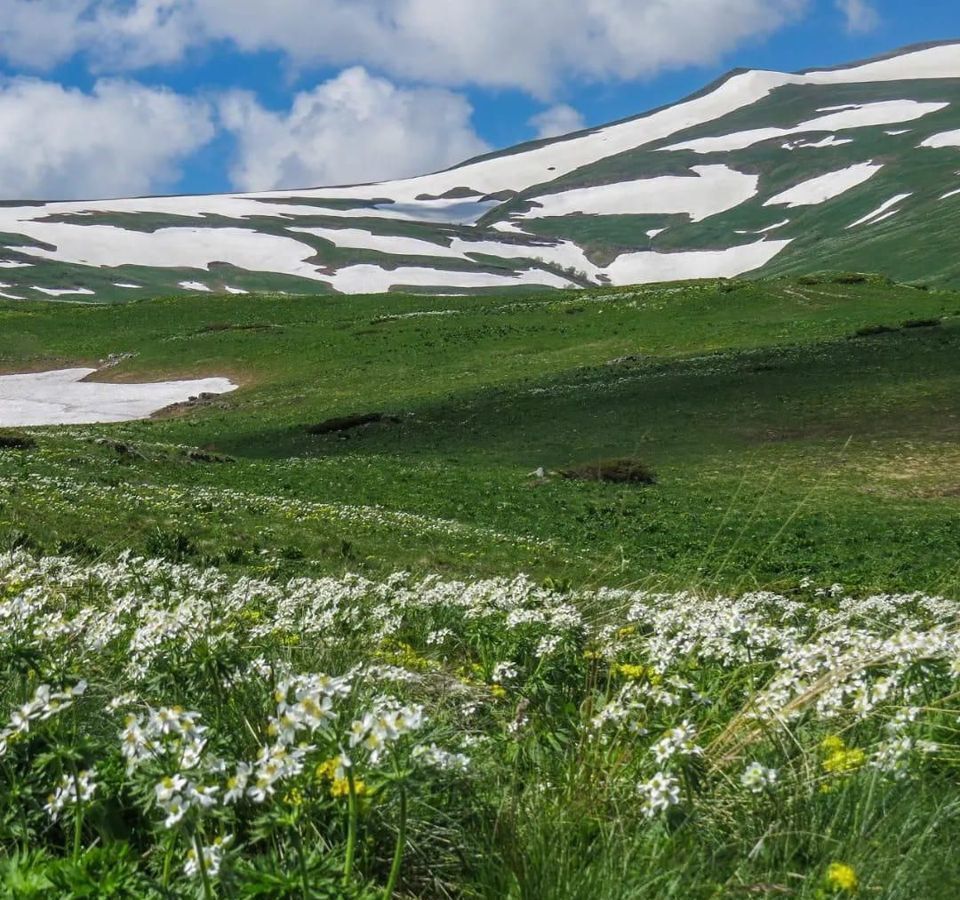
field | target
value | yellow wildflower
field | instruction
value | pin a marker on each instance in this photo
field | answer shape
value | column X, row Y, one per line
column 841, row 877
column 498, row 691
column 832, row 743
column 634, row 673
column 626, row 631
column 341, row 787
column 843, row 762
column 294, row 797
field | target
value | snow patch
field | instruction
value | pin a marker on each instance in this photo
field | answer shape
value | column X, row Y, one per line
column 64, row 292
column 880, row 210
column 715, row 189
column 825, row 187
column 944, row 139
column 886, row 112
column 648, row 267
column 370, row 279
column 193, row 286
column 63, row 398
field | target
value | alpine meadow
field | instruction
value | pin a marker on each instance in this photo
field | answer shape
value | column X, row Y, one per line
column 580, row 521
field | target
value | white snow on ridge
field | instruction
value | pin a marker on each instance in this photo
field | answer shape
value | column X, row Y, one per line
column 944, row 139
column 648, row 267
column 193, row 286
column 825, row 187
column 878, row 213
column 64, row 398
column 64, row 292
column 561, row 253
column 189, row 248
column 13, row 264
column 522, row 170
column 715, row 189
column 363, row 239
column 368, row 279
column 104, row 245
column 886, row 112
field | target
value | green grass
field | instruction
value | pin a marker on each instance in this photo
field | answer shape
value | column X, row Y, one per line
column 803, row 432
column 785, row 447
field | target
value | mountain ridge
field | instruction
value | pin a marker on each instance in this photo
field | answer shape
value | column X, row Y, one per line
column 692, row 189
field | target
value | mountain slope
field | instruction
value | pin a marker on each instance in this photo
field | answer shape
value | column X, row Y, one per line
column 767, row 172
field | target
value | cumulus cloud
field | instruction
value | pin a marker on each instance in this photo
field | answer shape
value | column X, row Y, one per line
column 121, row 138
column 527, row 44
column 860, row 15
column 557, row 120
column 354, row 128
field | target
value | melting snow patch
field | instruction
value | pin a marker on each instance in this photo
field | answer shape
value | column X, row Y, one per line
column 233, row 290
column 193, row 286
column 369, row 279
column 825, row 187
column 830, row 141
column 878, row 214
column 648, row 267
column 944, row 139
column 715, row 189
column 653, row 232
column 123, row 284
column 13, row 264
column 63, row 292
column 897, row 131
column 887, row 112
column 63, row 398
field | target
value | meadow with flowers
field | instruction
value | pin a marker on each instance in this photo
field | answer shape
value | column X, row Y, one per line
column 416, row 659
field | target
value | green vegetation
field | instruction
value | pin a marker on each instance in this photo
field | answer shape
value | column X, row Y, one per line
column 796, row 430
column 728, row 669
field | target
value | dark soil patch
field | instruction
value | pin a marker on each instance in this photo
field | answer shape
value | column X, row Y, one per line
column 340, row 424
column 16, row 442
column 623, row 470
column 921, row 323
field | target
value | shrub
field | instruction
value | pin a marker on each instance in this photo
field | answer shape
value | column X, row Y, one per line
column 920, row 323
column 9, row 441
column 871, row 330
column 622, row 470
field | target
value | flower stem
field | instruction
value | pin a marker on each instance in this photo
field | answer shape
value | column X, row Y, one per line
column 401, row 844
column 202, row 865
column 351, row 828
column 78, row 818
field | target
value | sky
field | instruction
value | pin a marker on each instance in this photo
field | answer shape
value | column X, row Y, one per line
column 107, row 98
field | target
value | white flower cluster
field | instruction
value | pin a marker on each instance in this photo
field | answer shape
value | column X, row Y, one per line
column 71, row 791
column 43, row 705
column 658, row 794
column 757, row 778
column 212, row 858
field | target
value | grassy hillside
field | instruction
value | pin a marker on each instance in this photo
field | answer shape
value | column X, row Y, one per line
column 785, row 444
column 255, row 648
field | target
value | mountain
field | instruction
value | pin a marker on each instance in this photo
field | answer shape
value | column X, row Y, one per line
column 852, row 168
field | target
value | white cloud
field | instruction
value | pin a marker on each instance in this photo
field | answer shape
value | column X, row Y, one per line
column 353, row 128
column 557, row 120
column 860, row 15
column 530, row 44
column 122, row 138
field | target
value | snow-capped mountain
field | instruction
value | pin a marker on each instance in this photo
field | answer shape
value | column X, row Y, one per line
column 762, row 172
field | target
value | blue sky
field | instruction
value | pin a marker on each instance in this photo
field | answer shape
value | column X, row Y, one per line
column 114, row 97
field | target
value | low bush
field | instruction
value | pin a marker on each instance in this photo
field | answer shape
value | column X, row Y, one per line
column 622, row 470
